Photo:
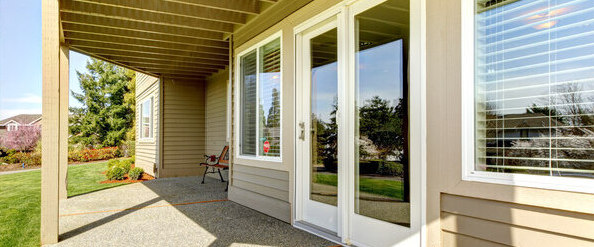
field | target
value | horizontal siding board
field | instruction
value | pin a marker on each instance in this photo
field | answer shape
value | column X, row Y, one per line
column 147, row 152
column 459, row 240
column 265, row 204
column 216, row 112
column 275, row 174
column 264, row 181
column 552, row 220
column 261, row 189
column 506, row 234
column 183, row 127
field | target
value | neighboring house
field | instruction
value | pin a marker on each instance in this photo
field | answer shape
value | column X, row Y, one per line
column 251, row 74
column 18, row 121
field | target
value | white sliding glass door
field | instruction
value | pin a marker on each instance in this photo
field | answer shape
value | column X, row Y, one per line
column 359, row 123
column 318, row 95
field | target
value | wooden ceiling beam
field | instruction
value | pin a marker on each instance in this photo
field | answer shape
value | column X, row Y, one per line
column 131, row 25
column 137, row 62
column 164, row 68
column 173, row 9
column 108, row 32
column 184, row 78
column 150, row 67
column 159, row 57
column 97, row 56
column 114, row 13
column 145, row 44
column 178, row 72
column 133, row 61
column 240, row 6
column 146, row 50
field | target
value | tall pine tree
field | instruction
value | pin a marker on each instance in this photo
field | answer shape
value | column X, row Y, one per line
column 106, row 113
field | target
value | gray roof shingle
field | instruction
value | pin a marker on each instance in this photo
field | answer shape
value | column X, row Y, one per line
column 21, row 119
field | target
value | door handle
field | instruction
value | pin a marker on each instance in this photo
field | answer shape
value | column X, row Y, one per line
column 302, row 135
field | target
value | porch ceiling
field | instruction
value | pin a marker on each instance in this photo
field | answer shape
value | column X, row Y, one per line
column 174, row 38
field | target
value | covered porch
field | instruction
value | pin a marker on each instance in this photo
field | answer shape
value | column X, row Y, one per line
column 187, row 45
column 172, row 212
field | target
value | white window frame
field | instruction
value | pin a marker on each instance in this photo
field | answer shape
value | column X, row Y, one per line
column 256, row 47
column 12, row 127
column 151, row 136
column 583, row 185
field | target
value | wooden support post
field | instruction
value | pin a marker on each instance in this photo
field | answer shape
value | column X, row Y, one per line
column 50, row 170
column 64, row 93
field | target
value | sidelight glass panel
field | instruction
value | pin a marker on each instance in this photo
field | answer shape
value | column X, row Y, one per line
column 324, row 129
column 381, row 126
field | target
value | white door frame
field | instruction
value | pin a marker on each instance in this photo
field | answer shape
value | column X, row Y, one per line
column 417, row 117
column 333, row 12
column 320, row 214
column 408, row 236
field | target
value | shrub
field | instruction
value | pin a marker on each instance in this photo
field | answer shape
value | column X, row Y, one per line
column 8, row 156
column 390, row 168
column 368, row 166
column 115, row 173
column 86, row 155
column 135, row 173
column 330, row 164
column 126, row 165
column 29, row 158
column 23, row 139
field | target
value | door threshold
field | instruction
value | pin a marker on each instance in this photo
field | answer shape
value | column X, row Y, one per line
column 318, row 231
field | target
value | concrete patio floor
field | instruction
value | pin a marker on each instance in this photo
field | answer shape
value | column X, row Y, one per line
column 172, row 212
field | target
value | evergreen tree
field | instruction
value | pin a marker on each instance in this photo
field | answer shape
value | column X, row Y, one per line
column 107, row 111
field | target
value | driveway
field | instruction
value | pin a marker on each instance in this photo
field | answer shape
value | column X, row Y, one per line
column 172, row 212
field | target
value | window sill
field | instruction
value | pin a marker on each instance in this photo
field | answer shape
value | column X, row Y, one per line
column 498, row 190
column 274, row 164
column 569, row 184
column 146, row 141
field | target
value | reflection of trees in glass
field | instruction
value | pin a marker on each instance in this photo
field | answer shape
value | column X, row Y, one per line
column 271, row 123
column 560, row 128
column 326, row 135
column 383, row 124
column 575, row 107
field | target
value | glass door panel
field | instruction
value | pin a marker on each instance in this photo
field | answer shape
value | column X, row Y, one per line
column 381, row 124
column 324, row 128
column 317, row 93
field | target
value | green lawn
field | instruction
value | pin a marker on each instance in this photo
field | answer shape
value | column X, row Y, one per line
column 20, row 200
column 378, row 186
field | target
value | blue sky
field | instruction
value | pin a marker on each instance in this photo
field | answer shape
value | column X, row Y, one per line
column 20, row 58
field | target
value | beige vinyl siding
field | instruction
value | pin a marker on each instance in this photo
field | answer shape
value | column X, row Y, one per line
column 514, row 224
column 216, row 112
column 183, row 127
column 251, row 184
column 264, row 190
column 464, row 213
column 147, row 151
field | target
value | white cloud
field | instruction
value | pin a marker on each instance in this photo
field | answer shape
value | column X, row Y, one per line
column 6, row 113
column 27, row 99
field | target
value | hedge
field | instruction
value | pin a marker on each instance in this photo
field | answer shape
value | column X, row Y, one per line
column 29, row 158
column 86, row 155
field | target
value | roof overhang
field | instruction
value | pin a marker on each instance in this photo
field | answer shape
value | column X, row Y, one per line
column 174, row 38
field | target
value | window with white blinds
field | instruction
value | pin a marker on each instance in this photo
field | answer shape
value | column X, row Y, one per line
column 248, row 103
column 260, row 77
column 534, row 87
